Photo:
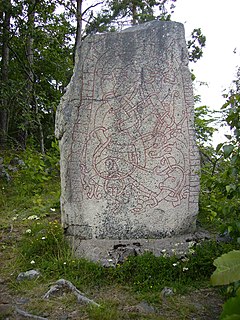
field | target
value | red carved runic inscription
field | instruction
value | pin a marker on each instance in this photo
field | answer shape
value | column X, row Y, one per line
column 135, row 142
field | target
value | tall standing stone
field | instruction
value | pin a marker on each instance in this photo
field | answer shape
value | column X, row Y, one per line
column 129, row 159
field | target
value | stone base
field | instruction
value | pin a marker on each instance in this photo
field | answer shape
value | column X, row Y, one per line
column 111, row 252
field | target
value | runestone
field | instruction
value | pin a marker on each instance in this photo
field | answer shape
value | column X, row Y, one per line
column 129, row 160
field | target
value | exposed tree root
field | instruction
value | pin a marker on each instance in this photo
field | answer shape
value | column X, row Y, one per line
column 65, row 284
column 29, row 315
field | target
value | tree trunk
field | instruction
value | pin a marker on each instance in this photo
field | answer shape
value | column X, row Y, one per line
column 32, row 102
column 78, row 38
column 6, row 16
column 30, row 75
column 134, row 13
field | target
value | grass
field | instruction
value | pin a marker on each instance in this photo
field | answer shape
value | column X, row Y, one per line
column 43, row 247
column 32, row 238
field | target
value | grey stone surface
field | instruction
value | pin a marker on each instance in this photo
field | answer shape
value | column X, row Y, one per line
column 17, row 162
column 7, row 169
column 166, row 292
column 3, row 173
column 28, row 275
column 142, row 307
column 129, row 160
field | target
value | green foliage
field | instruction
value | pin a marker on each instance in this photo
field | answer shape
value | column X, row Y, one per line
column 231, row 149
column 231, row 309
column 35, row 81
column 203, row 120
column 219, row 198
column 38, row 169
column 233, row 230
column 147, row 272
column 228, row 265
column 196, row 44
column 34, row 189
column 220, row 186
column 116, row 13
column 228, row 268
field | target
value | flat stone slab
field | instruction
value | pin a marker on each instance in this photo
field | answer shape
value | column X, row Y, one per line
column 129, row 159
column 112, row 252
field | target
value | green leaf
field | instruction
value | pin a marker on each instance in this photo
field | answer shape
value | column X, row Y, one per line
column 219, row 146
column 234, row 159
column 228, row 188
column 231, row 309
column 227, row 150
column 228, row 268
column 230, row 229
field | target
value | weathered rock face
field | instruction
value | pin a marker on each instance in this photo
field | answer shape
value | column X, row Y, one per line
column 128, row 152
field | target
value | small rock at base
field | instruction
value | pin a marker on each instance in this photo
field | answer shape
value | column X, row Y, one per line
column 144, row 307
column 17, row 162
column 28, row 275
column 167, row 292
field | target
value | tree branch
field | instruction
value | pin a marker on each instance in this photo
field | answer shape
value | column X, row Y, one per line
column 92, row 6
column 21, row 62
